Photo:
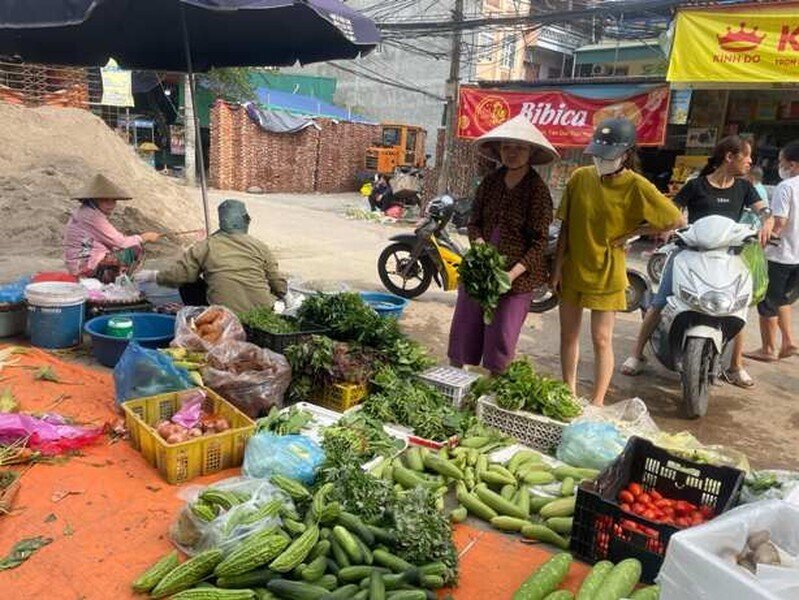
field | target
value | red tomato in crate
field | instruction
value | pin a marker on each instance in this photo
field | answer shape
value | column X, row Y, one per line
column 625, row 507
column 626, row 497
column 656, row 496
column 635, row 489
column 638, row 508
column 645, row 498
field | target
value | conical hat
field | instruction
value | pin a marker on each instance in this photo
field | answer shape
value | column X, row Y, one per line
column 517, row 129
column 102, row 187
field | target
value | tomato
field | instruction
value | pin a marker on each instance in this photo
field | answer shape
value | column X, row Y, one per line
column 638, row 508
column 682, row 522
column 682, row 507
column 635, row 489
column 663, row 503
column 627, row 497
column 697, row 518
column 625, row 507
column 644, row 498
column 656, row 495
column 648, row 514
column 707, row 512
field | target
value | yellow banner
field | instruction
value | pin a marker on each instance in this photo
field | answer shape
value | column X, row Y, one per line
column 745, row 44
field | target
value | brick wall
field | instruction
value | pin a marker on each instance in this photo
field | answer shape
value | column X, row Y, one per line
column 325, row 159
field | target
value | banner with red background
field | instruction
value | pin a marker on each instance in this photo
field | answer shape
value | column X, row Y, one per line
column 565, row 119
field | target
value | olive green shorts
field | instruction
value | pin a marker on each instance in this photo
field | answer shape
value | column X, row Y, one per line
column 614, row 301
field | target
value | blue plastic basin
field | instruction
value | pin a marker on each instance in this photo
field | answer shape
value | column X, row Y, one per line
column 150, row 330
column 386, row 305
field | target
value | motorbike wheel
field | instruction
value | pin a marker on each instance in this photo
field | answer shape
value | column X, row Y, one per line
column 654, row 268
column 637, row 292
column 419, row 276
column 697, row 363
column 543, row 302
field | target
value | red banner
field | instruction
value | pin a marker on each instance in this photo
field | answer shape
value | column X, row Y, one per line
column 565, row 119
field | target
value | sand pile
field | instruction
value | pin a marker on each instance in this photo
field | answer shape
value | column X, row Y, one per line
column 46, row 154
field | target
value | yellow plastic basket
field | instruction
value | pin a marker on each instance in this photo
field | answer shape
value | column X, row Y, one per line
column 181, row 462
column 339, row 396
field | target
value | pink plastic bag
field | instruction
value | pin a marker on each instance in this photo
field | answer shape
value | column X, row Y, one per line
column 253, row 379
column 191, row 410
column 200, row 329
column 49, row 434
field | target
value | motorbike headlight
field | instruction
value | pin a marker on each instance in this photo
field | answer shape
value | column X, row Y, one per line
column 689, row 297
column 716, row 302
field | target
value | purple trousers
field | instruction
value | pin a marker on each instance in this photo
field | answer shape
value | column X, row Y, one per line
column 471, row 342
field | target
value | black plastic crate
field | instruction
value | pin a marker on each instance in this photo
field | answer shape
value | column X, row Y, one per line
column 279, row 341
column 602, row 530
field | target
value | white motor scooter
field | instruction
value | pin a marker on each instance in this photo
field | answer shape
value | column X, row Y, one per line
column 712, row 290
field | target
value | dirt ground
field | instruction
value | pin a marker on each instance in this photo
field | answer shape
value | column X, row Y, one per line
column 314, row 241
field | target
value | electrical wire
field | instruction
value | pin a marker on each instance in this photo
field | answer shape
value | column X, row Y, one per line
column 380, row 80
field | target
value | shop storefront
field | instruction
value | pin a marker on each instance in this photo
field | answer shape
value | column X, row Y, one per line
column 735, row 71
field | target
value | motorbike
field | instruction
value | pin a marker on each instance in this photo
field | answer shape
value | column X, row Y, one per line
column 712, row 291
column 408, row 266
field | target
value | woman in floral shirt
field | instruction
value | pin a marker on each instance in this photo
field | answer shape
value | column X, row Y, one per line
column 512, row 211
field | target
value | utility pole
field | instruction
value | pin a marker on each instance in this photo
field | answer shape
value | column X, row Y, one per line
column 451, row 112
column 189, row 146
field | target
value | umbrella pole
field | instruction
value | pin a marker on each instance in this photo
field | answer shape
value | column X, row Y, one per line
column 198, row 141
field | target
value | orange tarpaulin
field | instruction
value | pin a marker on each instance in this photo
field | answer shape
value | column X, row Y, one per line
column 109, row 512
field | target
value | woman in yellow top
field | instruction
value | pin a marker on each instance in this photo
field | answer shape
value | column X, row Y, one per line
column 602, row 207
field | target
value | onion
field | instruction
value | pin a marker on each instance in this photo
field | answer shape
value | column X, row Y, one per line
column 176, row 438
column 195, row 432
column 222, row 424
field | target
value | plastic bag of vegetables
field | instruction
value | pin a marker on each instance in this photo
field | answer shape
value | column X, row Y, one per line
column 202, row 328
column 769, row 485
column 295, row 456
column 142, row 372
column 222, row 514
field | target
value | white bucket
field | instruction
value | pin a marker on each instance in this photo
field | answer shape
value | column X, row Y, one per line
column 55, row 293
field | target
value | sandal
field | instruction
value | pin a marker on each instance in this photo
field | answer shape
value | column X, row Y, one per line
column 633, row 366
column 739, row 378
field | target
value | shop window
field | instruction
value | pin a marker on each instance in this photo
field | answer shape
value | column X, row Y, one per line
column 509, row 51
column 485, row 46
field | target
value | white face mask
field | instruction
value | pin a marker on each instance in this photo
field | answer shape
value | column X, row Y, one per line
column 607, row 167
column 785, row 173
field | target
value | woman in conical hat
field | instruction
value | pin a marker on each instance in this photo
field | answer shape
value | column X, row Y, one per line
column 512, row 211
column 93, row 246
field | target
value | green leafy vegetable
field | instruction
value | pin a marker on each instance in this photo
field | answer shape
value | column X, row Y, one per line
column 284, row 423
column 267, row 320
column 22, row 551
column 484, row 276
column 357, row 438
column 359, row 492
column 520, row 388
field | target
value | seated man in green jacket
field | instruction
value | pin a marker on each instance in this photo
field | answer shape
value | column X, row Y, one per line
column 239, row 270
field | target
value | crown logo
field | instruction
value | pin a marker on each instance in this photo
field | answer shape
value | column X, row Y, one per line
column 741, row 40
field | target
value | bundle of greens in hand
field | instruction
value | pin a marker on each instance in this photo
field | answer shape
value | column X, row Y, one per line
column 485, row 279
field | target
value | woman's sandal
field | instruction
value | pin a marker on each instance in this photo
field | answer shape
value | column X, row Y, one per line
column 633, row 366
column 739, row 378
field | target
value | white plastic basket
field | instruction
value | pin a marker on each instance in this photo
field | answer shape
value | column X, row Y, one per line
column 536, row 431
column 454, row 383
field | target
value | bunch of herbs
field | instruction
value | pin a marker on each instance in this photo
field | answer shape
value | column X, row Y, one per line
column 484, row 277
column 357, row 437
column 266, row 319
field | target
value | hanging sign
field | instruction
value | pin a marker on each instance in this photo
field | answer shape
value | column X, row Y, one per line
column 565, row 119
column 116, row 85
column 747, row 44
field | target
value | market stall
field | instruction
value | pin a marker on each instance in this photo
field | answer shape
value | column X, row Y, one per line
column 324, row 455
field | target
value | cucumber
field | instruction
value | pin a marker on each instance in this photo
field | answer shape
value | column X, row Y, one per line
column 521, row 457
column 539, row 502
column 498, row 503
column 377, row 588
column 538, row 477
column 250, row 579
column 357, row 573
column 339, row 555
column 560, row 524
column 501, row 470
column 390, row 561
column 575, row 473
column 567, row 487
column 562, row 507
column 296, row 590
column 442, row 467
column 314, row 570
column 476, row 506
column 651, row 592
column 332, row 566
column 477, row 441
column 347, row 542
column 322, row 548
column 329, row 582
column 342, row 593
column 522, row 500
column 508, row 491
column 381, row 535
column 361, row 595
column 594, row 579
column 407, row 595
column 356, row 526
column 413, row 458
column 504, row 523
column 560, row 595
column 434, row 568
column 542, row 533
column 494, row 478
column 458, row 515
column 365, row 551
column 621, row 581
column 546, row 579
column 432, row 582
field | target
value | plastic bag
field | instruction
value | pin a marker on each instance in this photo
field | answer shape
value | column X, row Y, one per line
column 295, row 456
column 253, row 379
column 754, row 258
column 49, row 433
column 769, row 485
column 142, row 372
column 599, row 435
column 686, row 445
column 700, row 563
column 193, row 534
column 201, row 328
column 14, row 292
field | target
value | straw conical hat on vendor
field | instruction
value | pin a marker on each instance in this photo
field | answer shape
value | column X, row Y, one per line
column 101, row 187
column 517, row 130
